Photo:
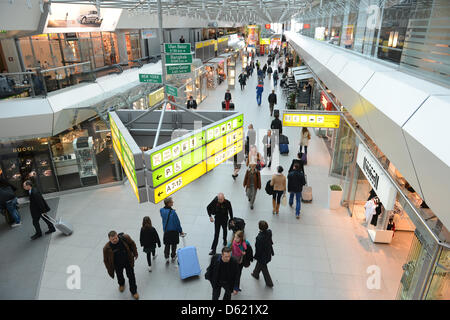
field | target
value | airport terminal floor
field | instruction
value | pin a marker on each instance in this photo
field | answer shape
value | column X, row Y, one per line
column 323, row 255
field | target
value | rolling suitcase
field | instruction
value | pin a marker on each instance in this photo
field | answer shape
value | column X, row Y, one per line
column 231, row 106
column 284, row 148
column 223, row 105
column 284, row 139
column 188, row 264
column 306, row 192
column 62, row 226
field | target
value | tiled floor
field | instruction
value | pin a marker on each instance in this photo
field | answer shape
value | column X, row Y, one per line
column 324, row 255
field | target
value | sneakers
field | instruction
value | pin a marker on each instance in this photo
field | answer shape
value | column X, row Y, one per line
column 136, row 296
column 149, row 269
column 121, row 288
column 212, row 252
column 297, row 217
column 16, row 225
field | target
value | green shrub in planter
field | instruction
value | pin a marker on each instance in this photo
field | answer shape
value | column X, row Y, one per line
column 335, row 187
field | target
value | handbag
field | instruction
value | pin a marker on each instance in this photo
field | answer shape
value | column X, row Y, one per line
column 284, row 200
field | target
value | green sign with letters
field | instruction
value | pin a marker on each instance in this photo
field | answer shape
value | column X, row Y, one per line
column 171, row 91
column 178, row 69
column 224, row 128
column 178, row 58
column 177, row 47
column 150, row 78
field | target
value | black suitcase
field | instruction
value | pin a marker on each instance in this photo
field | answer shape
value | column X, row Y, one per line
column 236, row 224
column 284, row 139
column 231, row 105
column 223, row 105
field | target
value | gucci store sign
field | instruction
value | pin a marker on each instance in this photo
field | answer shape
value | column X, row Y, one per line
column 377, row 178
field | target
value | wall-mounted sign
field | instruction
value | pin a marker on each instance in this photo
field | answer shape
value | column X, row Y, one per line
column 325, row 102
column 149, row 34
column 171, row 91
column 177, row 47
column 268, row 26
column 374, row 173
column 150, row 78
column 178, row 69
column 265, row 41
column 311, row 120
column 178, row 58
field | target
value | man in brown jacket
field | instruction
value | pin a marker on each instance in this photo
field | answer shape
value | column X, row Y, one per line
column 252, row 182
column 118, row 254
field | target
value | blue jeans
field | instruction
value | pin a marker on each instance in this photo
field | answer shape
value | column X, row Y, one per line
column 11, row 205
column 298, row 198
column 258, row 98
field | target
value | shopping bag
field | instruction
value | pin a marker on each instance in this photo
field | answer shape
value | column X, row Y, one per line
column 284, row 200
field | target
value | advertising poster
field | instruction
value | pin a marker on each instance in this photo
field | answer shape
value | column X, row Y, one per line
column 253, row 35
column 68, row 18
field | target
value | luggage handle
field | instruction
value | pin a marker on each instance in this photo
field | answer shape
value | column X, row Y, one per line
column 47, row 217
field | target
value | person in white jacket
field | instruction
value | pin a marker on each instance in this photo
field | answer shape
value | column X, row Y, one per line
column 304, row 139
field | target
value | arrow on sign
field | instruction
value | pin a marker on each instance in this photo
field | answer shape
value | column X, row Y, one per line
column 240, row 120
column 158, row 177
column 160, row 193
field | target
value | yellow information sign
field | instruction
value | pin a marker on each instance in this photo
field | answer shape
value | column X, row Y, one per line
column 199, row 45
column 226, row 154
column 264, row 41
column 155, row 97
column 179, row 182
column 311, row 120
column 223, row 142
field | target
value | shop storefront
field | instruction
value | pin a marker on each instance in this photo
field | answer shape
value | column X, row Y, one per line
column 133, row 42
column 62, row 162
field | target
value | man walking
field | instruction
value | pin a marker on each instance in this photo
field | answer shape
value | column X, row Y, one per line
column 263, row 252
column 182, row 40
column 223, row 272
column 277, row 124
column 269, row 145
column 227, row 99
column 191, row 103
column 38, row 206
column 296, row 181
column 259, row 91
column 8, row 201
column 220, row 208
column 272, row 101
column 118, row 254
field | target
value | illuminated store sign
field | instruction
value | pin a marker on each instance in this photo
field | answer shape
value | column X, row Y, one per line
column 311, row 120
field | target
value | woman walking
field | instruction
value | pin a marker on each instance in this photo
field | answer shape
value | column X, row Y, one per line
column 304, row 139
column 255, row 158
column 172, row 229
column 263, row 252
column 149, row 239
column 279, row 188
column 238, row 250
column 252, row 182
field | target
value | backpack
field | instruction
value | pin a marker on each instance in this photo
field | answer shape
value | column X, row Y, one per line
column 208, row 270
column 269, row 188
column 248, row 257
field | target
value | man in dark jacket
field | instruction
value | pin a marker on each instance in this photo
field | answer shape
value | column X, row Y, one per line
column 220, row 208
column 38, row 206
column 263, row 252
column 8, row 201
column 296, row 181
column 191, row 103
column 118, row 254
column 223, row 272
column 272, row 101
column 227, row 99
column 298, row 161
column 277, row 125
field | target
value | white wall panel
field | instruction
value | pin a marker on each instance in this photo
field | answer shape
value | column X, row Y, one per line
column 18, row 16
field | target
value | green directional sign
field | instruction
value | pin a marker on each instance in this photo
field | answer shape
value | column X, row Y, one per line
column 224, row 127
column 178, row 69
column 150, row 78
column 177, row 47
column 171, row 91
column 177, row 166
column 178, row 58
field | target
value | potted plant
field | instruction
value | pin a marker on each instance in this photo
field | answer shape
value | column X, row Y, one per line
column 334, row 196
column 291, row 101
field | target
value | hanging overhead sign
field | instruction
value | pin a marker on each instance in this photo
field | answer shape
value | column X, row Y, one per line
column 215, row 131
column 150, row 78
column 130, row 157
column 177, row 47
column 374, row 173
column 171, row 91
column 224, row 155
column 178, row 69
column 311, row 120
column 178, row 58
column 155, row 97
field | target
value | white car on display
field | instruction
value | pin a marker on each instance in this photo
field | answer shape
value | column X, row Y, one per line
column 90, row 17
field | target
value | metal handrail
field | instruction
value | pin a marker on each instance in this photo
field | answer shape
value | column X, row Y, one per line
column 65, row 67
column 118, row 66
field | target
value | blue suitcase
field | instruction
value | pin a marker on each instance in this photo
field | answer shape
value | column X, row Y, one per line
column 188, row 262
column 284, row 148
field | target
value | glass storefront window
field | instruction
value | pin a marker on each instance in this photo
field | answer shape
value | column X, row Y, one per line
column 133, row 46
column 439, row 288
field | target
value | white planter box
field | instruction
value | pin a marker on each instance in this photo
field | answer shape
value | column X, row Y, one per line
column 334, row 198
column 381, row 236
